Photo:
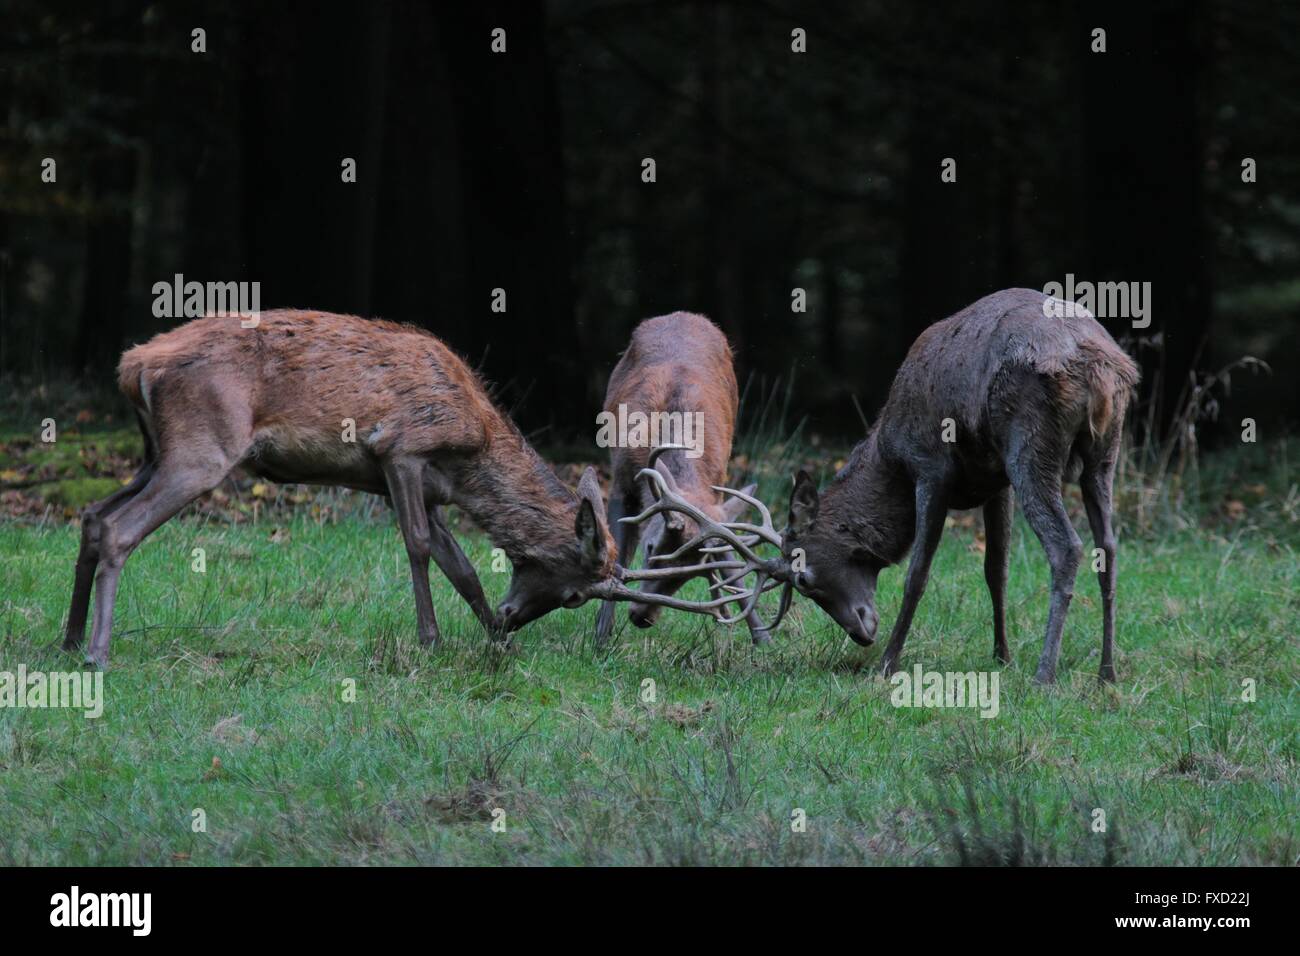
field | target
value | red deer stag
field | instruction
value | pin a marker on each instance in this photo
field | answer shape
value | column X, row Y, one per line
column 280, row 399
column 1000, row 396
column 675, row 379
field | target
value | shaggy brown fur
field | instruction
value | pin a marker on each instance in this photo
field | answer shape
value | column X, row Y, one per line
column 282, row 401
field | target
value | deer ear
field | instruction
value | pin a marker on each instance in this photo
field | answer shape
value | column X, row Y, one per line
column 803, row 503
column 733, row 508
column 673, row 520
column 589, row 525
column 589, row 489
column 590, row 531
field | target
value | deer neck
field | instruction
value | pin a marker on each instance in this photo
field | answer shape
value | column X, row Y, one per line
column 872, row 502
column 515, row 497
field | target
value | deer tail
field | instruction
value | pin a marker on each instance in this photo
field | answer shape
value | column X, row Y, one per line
column 131, row 371
column 1112, row 379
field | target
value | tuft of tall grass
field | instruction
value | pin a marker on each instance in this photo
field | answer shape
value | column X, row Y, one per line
column 1163, row 484
column 999, row 819
column 768, row 448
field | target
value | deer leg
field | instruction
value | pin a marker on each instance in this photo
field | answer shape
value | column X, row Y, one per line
column 451, row 560
column 931, row 510
column 625, row 537
column 1096, row 484
column 406, row 489
column 1045, row 511
column 171, row 487
column 997, row 559
column 758, row 632
column 88, row 556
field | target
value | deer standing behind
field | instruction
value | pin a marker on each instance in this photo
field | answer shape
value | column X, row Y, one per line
column 1028, row 400
column 681, row 365
column 276, row 400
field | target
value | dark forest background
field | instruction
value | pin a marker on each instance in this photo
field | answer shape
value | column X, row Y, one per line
column 775, row 170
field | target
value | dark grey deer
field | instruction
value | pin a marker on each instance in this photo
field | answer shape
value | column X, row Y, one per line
column 1000, row 396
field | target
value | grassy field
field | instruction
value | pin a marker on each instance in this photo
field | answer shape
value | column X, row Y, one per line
column 227, row 695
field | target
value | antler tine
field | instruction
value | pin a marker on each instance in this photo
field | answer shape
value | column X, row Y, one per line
column 666, row 500
column 719, row 582
column 727, row 582
column 767, row 532
column 617, row 591
column 750, row 599
column 660, row 507
column 652, row 574
column 660, row 449
column 695, row 542
column 714, row 574
column 787, row 594
column 724, row 548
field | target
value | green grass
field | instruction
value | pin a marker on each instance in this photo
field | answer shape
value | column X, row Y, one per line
column 587, row 771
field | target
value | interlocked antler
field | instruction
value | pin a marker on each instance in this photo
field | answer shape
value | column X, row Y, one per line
column 737, row 536
column 614, row 590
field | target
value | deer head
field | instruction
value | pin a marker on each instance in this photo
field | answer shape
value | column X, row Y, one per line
column 565, row 573
column 829, row 567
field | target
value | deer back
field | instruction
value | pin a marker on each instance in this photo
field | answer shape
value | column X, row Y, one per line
column 678, row 363
column 973, row 368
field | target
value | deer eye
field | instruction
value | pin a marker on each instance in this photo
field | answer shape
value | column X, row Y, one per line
column 573, row 599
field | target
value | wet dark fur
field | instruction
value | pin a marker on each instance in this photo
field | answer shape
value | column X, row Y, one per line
column 1034, row 400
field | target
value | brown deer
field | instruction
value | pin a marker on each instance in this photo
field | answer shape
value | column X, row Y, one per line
column 1000, row 396
column 678, row 370
column 282, row 399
